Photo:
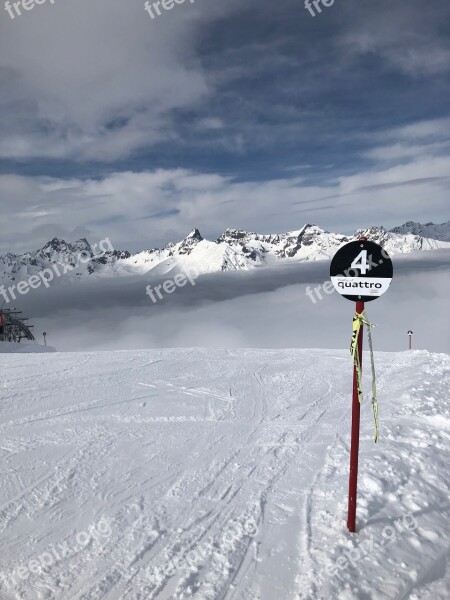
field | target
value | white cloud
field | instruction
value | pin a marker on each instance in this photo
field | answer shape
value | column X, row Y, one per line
column 150, row 208
column 421, row 130
column 406, row 36
column 97, row 80
column 396, row 152
column 212, row 123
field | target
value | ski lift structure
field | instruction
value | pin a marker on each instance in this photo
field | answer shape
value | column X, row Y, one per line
column 14, row 327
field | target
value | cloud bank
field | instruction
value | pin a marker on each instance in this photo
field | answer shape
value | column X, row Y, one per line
column 264, row 308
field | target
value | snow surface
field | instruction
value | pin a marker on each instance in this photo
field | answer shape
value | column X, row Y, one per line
column 221, row 475
column 24, row 347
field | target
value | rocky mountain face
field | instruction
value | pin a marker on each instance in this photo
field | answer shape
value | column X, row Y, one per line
column 308, row 243
column 235, row 249
column 429, row 230
column 62, row 258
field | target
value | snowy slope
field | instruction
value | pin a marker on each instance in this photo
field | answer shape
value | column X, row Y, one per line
column 220, row 475
column 234, row 250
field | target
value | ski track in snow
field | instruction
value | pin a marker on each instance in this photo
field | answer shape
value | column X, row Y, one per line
column 221, row 475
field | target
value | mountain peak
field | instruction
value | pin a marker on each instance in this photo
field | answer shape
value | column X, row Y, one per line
column 60, row 245
column 82, row 242
column 233, row 234
column 188, row 244
column 194, row 235
column 373, row 228
column 55, row 244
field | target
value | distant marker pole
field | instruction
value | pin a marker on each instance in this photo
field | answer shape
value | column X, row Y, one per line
column 410, row 333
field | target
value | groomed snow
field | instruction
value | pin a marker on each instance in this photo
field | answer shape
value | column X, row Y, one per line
column 24, row 347
column 221, row 475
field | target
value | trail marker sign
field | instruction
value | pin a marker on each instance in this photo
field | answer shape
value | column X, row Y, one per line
column 361, row 271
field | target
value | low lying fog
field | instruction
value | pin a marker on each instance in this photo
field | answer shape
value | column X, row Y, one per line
column 264, row 308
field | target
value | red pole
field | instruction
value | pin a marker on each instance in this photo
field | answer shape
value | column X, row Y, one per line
column 354, row 451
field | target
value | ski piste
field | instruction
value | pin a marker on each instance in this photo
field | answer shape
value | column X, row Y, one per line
column 188, row 473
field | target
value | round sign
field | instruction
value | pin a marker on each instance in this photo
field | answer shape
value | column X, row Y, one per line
column 361, row 271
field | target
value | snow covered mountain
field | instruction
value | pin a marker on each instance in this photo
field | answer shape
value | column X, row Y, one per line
column 429, row 230
column 78, row 259
column 235, row 249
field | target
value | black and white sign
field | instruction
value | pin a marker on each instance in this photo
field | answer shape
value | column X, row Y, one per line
column 361, row 271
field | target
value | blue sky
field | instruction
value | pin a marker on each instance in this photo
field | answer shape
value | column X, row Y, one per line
column 230, row 113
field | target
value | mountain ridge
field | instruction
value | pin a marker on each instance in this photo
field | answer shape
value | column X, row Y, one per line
column 234, row 249
column 435, row 231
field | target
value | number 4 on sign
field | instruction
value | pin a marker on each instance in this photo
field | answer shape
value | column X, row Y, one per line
column 361, row 263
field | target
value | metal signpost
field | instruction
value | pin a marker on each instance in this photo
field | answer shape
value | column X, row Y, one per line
column 360, row 271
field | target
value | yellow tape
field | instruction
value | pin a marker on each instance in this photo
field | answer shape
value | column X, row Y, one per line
column 359, row 320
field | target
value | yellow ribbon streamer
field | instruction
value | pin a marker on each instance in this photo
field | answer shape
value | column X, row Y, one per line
column 359, row 320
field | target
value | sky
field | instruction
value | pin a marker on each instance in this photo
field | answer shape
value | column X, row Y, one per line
column 250, row 114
